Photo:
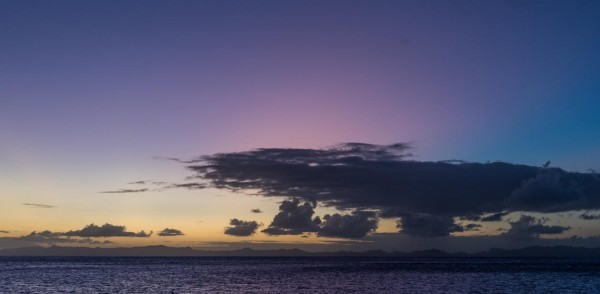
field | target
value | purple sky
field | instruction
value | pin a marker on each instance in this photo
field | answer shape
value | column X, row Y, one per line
column 91, row 91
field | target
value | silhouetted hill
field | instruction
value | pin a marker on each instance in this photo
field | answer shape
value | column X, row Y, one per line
column 542, row 251
column 537, row 251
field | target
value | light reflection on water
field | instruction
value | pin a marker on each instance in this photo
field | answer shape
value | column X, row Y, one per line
column 292, row 275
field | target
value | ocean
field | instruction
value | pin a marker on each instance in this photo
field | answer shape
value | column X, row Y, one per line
column 297, row 275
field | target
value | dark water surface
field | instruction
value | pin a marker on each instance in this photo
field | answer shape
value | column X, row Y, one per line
column 293, row 275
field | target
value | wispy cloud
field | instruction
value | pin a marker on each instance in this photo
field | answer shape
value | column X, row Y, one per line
column 125, row 191
column 137, row 183
column 156, row 186
column 191, row 186
column 37, row 205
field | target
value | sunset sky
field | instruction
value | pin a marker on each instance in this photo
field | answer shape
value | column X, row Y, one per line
column 113, row 112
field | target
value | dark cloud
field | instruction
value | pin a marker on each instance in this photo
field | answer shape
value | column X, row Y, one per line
column 586, row 216
column 241, row 228
column 529, row 227
column 276, row 231
column 256, row 210
column 495, row 217
column 380, row 177
column 106, row 230
column 170, row 232
column 38, row 205
column 4, row 232
column 294, row 218
column 427, row 225
column 355, row 225
column 471, row 217
column 471, row 227
column 126, row 191
column 45, row 234
column 552, row 190
column 83, row 236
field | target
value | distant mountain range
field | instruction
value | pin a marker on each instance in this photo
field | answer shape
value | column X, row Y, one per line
column 537, row 251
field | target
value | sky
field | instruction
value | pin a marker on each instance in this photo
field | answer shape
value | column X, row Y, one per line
column 121, row 118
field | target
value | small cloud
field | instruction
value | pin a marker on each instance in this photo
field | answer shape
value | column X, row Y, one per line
column 355, row 225
column 256, row 210
column 428, row 225
column 38, row 205
column 4, row 232
column 106, row 230
column 241, row 228
column 170, row 232
column 294, row 218
column 529, row 227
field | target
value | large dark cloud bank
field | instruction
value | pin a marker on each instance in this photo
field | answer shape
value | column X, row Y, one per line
column 374, row 181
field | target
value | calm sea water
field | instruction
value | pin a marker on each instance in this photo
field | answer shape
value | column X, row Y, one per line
column 297, row 275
